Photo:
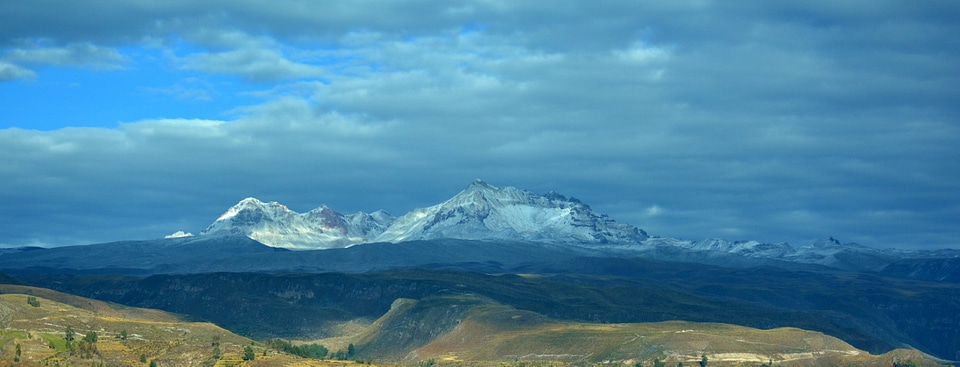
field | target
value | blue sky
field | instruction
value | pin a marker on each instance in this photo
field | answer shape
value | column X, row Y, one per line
column 752, row 120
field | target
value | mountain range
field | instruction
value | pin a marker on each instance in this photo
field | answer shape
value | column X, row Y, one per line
column 488, row 227
column 486, row 212
column 481, row 211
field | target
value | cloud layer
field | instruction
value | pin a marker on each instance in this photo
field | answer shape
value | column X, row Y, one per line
column 692, row 119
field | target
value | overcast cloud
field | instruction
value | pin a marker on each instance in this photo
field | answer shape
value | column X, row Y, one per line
column 689, row 119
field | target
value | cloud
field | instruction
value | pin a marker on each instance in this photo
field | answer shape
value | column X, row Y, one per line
column 193, row 89
column 258, row 59
column 83, row 55
column 253, row 64
column 10, row 71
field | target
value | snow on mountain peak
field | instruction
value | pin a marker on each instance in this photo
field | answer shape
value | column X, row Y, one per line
column 480, row 211
column 276, row 225
column 484, row 211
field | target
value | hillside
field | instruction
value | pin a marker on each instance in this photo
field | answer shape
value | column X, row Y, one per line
column 35, row 321
column 872, row 313
column 453, row 328
column 459, row 328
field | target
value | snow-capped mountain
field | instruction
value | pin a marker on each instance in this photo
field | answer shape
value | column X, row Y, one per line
column 483, row 211
column 486, row 212
column 275, row 225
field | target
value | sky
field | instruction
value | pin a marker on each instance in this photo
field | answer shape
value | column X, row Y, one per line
column 747, row 120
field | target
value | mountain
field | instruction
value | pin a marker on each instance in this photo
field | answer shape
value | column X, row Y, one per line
column 275, row 225
column 827, row 252
column 479, row 212
column 484, row 211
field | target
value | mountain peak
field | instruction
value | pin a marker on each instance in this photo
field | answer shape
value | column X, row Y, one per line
column 480, row 184
column 828, row 241
column 249, row 200
column 484, row 211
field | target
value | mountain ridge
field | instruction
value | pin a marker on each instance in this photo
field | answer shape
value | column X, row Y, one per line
column 485, row 212
column 479, row 212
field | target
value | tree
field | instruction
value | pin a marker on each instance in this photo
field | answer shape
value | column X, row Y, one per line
column 143, row 358
column 657, row 363
column 315, row 351
column 153, row 363
column 350, row 350
column 123, row 334
column 703, row 360
column 91, row 337
column 33, row 301
column 248, row 354
column 69, row 334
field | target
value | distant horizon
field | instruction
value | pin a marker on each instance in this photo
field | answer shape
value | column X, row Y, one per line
column 746, row 121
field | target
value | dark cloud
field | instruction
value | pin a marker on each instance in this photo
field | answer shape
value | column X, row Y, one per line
column 752, row 120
